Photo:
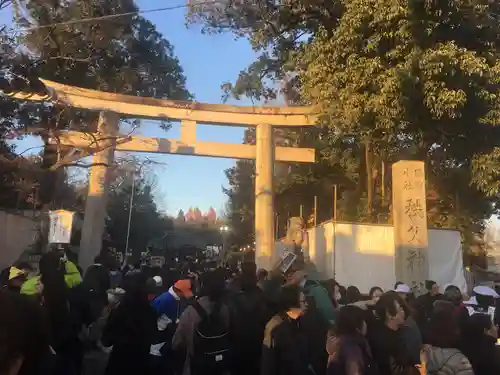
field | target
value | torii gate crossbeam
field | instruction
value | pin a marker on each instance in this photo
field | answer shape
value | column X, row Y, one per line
column 107, row 139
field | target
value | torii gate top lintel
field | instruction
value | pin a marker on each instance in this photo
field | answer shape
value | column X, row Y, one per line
column 214, row 114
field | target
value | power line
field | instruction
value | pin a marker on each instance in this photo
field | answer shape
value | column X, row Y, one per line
column 117, row 15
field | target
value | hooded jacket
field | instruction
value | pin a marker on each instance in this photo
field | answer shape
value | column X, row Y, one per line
column 313, row 289
column 447, row 361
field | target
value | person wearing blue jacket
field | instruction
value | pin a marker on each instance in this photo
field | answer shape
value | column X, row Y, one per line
column 168, row 307
column 170, row 302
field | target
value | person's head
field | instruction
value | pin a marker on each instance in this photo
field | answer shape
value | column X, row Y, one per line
column 432, row 287
column 453, row 294
column 480, row 325
column 403, row 291
column 52, row 264
column 353, row 294
column 443, row 328
column 403, row 302
column 25, row 266
column 485, row 296
column 332, row 288
column 135, row 286
column 16, row 278
column 291, row 301
column 296, row 275
column 183, row 288
column 342, row 296
column 107, row 259
column 375, row 293
column 390, row 311
column 22, row 334
column 59, row 250
column 350, row 321
column 213, row 285
column 262, row 275
column 398, row 283
column 248, row 276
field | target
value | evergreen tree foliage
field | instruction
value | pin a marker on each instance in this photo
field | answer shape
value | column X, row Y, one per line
column 392, row 80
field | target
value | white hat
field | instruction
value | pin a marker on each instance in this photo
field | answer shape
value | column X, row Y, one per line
column 402, row 288
column 471, row 301
column 158, row 280
column 485, row 291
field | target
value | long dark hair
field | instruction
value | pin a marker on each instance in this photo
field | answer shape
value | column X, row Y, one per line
column 350, row 321
column 135, row 286
column 52, row 271
column 213, row 285
column 409, row 311
column 55, row 298
column 353, row 294
column 443, row 330
column 23, row 333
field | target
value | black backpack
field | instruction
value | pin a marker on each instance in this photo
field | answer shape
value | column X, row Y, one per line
column 211, row 343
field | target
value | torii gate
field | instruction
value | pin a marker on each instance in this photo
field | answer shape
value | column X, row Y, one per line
column 107, row 139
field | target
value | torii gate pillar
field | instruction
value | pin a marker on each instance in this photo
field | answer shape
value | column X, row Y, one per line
column 264, row 196
column 97, row 197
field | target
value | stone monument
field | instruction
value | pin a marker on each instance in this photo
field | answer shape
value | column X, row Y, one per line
column 409, row 214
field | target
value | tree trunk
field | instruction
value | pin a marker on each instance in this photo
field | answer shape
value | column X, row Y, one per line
column 48, row 184
column 382, row 191
column 49, row 178
column 369, row 176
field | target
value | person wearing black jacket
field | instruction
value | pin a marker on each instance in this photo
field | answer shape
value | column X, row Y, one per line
column 24, row 336
column 67, row 311
column 386, row 340
column 131, row 329
column 479, row 345
column 425, row 303
column 248, row 317
column 284, row 350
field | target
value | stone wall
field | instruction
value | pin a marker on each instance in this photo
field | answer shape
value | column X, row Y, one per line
column 17, row 231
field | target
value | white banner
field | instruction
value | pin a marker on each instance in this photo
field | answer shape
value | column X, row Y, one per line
column 364, row 255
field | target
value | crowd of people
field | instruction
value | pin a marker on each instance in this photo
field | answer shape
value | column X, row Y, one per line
column 215, row 320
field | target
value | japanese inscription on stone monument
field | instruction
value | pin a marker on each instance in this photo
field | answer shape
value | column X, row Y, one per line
column 410, row 221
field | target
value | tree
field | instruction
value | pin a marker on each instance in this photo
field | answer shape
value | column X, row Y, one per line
column 392, row 80
column 275, row 30
column 146, row 224
column 415, row 81
column 240, row 211
column 122, row 54
column 134, row 177
column 181, row 217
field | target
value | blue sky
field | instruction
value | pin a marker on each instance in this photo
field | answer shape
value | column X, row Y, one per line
column 208, row 61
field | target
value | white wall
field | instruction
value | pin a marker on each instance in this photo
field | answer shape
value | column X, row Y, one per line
column 17, row 232
column 363, row 255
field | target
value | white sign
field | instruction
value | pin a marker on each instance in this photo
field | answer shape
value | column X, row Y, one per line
column 61, row 223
